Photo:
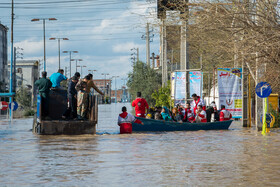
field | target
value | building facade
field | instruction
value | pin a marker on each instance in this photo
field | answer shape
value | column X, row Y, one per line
column 3, row 57
column 122, row 94
column 105, row 86
column 27, row 72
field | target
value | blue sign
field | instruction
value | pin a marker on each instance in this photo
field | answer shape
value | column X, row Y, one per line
column 13, row 106
column 38, row 106
column 263, row 89
column 269, row 119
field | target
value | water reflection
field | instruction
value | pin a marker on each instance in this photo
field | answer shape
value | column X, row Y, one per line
column 203, row 158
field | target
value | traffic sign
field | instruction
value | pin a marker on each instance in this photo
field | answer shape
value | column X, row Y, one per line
column 263, row 89
column 13, row 106
column 270, row 120
column 4, row 105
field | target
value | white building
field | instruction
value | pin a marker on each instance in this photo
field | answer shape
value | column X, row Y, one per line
column 27, row 72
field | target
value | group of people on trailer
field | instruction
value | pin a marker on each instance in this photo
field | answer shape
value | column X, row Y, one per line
column 194, row 112
column 77, row 92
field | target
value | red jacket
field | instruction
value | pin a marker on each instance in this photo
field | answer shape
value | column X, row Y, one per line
column 189, row 116
column 201, row 117
column 125, row 121
column 225, row 115
column 199, row 101
column 140, row 105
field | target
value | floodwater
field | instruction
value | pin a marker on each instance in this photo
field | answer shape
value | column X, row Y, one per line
column 235, row 157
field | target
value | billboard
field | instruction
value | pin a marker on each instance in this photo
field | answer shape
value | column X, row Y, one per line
column 196, row 82
column 230, row 90
column 179, row 87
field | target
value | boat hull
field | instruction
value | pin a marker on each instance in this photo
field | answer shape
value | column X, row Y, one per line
column 158, row 125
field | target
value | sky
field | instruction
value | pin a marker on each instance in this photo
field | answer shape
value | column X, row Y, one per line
column 103, row 31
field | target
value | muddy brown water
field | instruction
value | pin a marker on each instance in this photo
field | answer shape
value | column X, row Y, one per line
column 234, row 157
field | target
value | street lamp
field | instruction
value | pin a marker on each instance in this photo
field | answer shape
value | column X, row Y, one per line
column 70, row 52
column 58, row 39
column 91, row 71
column 82, row 69
column 115, row 87
column 44, row 31
column 77, row 62
column 105, row 74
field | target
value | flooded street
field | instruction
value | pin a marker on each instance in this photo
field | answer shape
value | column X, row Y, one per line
column 236, row 157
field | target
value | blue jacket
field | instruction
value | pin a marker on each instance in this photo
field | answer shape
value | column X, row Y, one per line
column 56, row 78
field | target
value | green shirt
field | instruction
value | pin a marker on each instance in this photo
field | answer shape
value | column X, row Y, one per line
column 44, row 86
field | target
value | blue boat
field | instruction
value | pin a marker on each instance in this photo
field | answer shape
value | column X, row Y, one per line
column 158, row 125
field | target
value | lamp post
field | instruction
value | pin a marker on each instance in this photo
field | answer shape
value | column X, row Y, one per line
column 44, row 32
column 70, row 53
column 82, row 69
column 58, row 39
column 91, row 71
column 105, row 74
column 115, row 87
column 77, row 62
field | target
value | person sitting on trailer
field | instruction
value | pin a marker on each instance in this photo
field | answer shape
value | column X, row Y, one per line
column 56, row 78
column 225, row 115
column 189, row 115
column 165, row 114
column 140, row 105
column 200, row 115
column 71, row 111
column 197, row 101
column 44, row 86
column 125, row 121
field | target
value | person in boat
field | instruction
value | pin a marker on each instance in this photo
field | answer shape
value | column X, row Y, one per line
column 177, row 115
column 200, row 115
column 125, row 121
column 56, row 78
column 189, row 115
column 213, row 104
column 140, row 105
column 165, row 114
column 225, row 115
column 157, row 113
column 71, row 111
column 151, row 114
column 84, row 95
column 44, row 86
column 197, row 101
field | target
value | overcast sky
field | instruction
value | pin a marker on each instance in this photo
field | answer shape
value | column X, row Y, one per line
column 103, row 31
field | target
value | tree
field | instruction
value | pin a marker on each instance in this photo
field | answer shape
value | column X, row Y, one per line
column 143, row 79
column 162, row 96
column 23, row 97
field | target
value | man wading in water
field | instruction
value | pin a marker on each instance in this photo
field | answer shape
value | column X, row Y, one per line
column 140, row 105
column 125, row 121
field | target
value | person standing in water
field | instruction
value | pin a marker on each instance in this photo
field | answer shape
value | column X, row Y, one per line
column 140, row 105
column 125, row 121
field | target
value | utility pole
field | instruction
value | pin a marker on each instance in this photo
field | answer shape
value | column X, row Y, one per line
column 147, row 37
column 148, row 45
column 70, row 53
column 12, row 59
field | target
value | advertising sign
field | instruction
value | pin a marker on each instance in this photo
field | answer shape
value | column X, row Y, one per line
column 180, row 88
column 230, row 90
column 196, row 83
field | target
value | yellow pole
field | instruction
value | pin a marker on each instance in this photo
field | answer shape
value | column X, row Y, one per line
column 264, row 128
column 249, row 99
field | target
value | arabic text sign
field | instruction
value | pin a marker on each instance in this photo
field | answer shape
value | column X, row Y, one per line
column 196, row 80
column 230, row 90
column 180, row 87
